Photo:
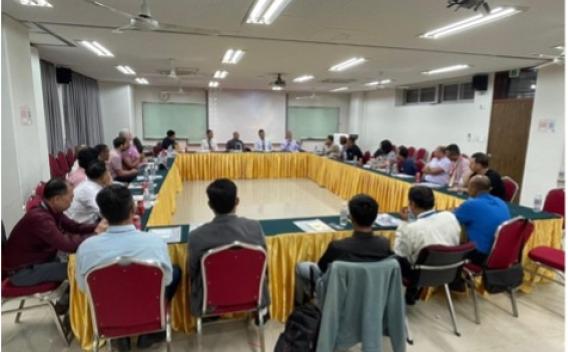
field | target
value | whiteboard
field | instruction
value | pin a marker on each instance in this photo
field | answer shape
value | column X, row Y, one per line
column 247, row 112
column 188, row 120
column 313, row 122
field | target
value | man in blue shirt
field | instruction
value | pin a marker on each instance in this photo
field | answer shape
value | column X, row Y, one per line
column 407, row 165
column 481, row 215
column 123, row 240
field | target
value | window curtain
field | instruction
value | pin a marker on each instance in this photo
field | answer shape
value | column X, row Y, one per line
column 82, row 111
column 51, row 107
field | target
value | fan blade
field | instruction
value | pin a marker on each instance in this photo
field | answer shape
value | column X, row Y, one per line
column 182, row 29
column 128, row 27
column 110, row 8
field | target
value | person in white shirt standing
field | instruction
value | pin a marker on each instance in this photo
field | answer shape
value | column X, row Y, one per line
column 209, row 144
column 438, row 169
column 263, row 144
column 84, row 208
column 290, row 144
column 425, row 227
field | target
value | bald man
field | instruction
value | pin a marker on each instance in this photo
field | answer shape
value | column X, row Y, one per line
column 131, row 158
column 480, row 216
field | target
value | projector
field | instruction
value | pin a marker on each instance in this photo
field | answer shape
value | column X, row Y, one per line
column 470, row 4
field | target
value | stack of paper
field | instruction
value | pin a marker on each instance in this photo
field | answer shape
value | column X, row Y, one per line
column 387, row 220
column 168, row 234
column 313, row 226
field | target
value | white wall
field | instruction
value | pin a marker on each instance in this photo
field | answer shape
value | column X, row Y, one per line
column 341, row 101
column 356, row 107
column 545, row 152
column 424, row 125
column 24, row 147
column 117, row 109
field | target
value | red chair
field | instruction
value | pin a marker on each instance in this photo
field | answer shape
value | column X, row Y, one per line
column 126, row 298
column 366, row 157
column 54, row 167
column 420, row 165
column 421, row 154
column 411, row 152
column 511, row 188
column 233, row 278
column 33, row 202
column 70, row 158
column 439, row 265
column 62, row 163
column 550, row 258
column 554, row 203
column 46, row 293
column 506, row 255
column 39, row 189
column 157, row 149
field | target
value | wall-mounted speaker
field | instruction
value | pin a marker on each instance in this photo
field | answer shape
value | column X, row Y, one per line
column 480, row 82
column 63, row 75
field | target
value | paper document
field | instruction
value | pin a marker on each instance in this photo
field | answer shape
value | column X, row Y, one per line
column 138, row 197
column 154, row 177
column 313, row 226
column 387, row 220
column 403, row 176
column 429, row 184
column 168, row 234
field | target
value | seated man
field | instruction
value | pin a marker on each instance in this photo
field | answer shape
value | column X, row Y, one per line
column 84, row 208
column 225, row 228
column 123, row 240
column 209, row 144
column 30, row 254
column 131, row 157
column 407, row 165
column 459, row 172
column 363, row 246
column 290, row 144
column 169, row 140
column 84, row 158
column 330, row 149
column 481, row 215
column 117, row 170
column 480, row 166
column 263, row 144
column 352, row 150
column 429, row 227
column 438, row 169
column 235, row 143
column 103, row 152
column 386, row 150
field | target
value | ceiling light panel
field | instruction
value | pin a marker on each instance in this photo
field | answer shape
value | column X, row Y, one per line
column 378, row 83
column 266, row 11
column 220, row 74
column 446, row 69
column 340, row 89
column 232, row 56
column 141, row 80
column 213, row 84
column 125, row 70
column 347, row 64
column 303, row 78
column 471, row 22
column 96, row 48
column 277, row 88
column 35, row 3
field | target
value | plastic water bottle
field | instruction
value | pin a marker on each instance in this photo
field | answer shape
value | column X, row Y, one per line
column 343, row 215
column 537, row 205
column 393, row 169
column 147, row 198
column 170, row 151
column 146, row 175
column 153, row 168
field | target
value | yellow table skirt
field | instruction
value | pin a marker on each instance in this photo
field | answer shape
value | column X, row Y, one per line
column 284, row 250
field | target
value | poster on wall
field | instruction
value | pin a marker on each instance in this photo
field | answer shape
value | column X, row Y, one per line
column 25, row 115
column 546, row 126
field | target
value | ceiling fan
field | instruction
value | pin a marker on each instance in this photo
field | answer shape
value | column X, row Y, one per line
column 176, row 73
column 144, row 21
column 279, row 83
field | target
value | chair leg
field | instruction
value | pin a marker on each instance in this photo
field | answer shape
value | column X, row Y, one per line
column 535, row 275
column 96, row 343
column 514, row 303
column 199, row 326
column 59, row 324
column 19, row 314
column 409, row 338
column 261, row 330
column 168, row 332
column 451, row 308
column 471, row 285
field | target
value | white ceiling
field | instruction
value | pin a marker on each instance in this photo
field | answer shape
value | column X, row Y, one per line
column 309, row 37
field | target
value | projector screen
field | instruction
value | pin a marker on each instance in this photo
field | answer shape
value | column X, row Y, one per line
column 247, row 112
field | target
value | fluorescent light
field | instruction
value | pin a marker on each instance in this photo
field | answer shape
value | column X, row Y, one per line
column 36, row 3
column 347, row 64
column 125, row 70
column 213, row 84
column 303, row 78
column 220, row 74
column 141, row 80
column 340, row 89
column 232, row 56
column 376, row 83
column 559, row 47
column 266, row 11
column 470, row 22
column 277, row 88
column 446, row 69
column 96, row 48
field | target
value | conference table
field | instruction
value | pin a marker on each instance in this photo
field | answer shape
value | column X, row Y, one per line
column 287, row 244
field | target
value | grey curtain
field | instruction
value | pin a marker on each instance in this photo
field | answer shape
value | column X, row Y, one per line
column 51, row 108
column 82, row 111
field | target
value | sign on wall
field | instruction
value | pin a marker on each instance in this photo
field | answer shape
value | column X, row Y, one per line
column 25, row 115
column 547, row 126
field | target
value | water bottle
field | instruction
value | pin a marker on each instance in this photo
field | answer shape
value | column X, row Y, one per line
column 146, row 175
column 393, row 169
column 343, row 215
column 537, row 205
column 154, row 166
column 147, row 198
column 170, row 151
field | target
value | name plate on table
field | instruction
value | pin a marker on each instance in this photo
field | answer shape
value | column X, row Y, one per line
column 313, row 226
column 387, row 220
column 168, row 234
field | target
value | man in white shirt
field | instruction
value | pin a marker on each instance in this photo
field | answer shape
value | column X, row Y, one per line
column 425, row 227
column 84, row 208
column 290, row 144
column 460, row 171
column 209, row 144
column 438, row 169
column 263, row 144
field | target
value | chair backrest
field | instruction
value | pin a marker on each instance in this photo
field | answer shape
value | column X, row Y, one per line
column 420, row 165
column 157, row 149
column 421, row 154
column 366, row 156
column 510, row 239
column 39, row 189
column 33, row 202
column 70, row 157
column 411, row 152
column 54, row 167
column 126, row 297
column 62, row 163
column 438, row 265
column 233, row 277
column 511, row 188
column 554, row 202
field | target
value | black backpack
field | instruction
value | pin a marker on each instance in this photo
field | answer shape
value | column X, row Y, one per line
column 301, row 331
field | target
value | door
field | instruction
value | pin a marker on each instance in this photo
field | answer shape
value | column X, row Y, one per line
column 509, row 136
